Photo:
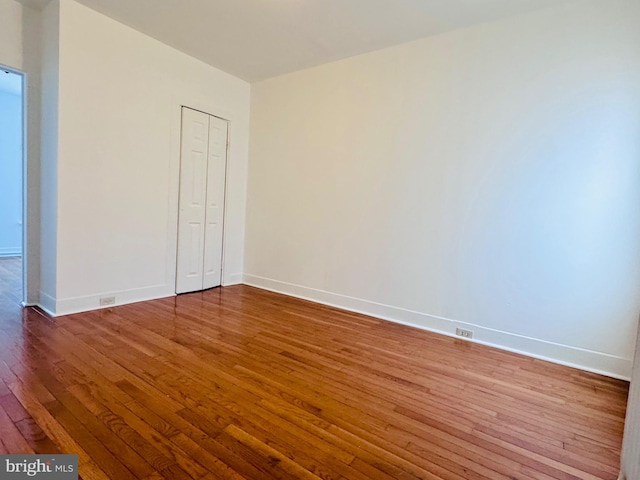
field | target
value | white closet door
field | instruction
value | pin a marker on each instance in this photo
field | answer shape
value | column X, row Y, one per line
column 193, row 199
column 201, row 204
column 215, row 202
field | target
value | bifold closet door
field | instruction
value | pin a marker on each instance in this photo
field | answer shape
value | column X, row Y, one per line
column 201, row 203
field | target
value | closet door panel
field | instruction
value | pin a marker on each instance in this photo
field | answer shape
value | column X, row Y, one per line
column 216, row 176
column 193, row 200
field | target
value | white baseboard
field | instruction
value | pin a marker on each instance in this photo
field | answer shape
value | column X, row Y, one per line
column 47, row 303
column 68, row 306
column 10, row 252
column 588, row 360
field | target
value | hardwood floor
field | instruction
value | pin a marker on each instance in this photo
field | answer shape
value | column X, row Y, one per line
column 10, row 283
column 241, row 383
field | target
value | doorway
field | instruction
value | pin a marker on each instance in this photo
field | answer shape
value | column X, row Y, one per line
column 11, row 186
column 203, row 164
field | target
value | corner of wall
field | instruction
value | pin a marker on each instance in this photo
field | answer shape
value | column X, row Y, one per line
column 32, row 54
column 49, row 110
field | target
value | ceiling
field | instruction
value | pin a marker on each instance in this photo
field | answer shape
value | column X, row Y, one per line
column 258, row 39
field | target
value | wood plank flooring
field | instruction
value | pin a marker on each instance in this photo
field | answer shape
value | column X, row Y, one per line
column 10, row 282
column 240, row 383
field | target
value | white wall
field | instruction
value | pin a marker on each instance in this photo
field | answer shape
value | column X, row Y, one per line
column 11, row 34
column 50, row 87
column 120, row 94
column 10, row 172
column 486, row 178
column 20, row 50
column 32, row 63
column 630, row 455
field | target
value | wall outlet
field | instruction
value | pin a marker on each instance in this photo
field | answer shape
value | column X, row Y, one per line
column 464, row 333
column 104, row 301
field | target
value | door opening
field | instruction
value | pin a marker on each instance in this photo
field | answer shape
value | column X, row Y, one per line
column 203, row 162
column 12, row 180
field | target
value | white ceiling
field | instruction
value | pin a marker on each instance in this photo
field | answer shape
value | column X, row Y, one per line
column 258, row 39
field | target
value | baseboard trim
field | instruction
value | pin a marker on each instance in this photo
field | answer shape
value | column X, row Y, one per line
column 68, row 306
column 47, row 304
column 588, row 360
column 10, row 252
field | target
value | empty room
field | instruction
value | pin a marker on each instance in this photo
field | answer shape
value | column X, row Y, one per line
column 321, row 239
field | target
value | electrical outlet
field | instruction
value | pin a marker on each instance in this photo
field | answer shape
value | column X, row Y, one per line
column 464, row 333
column 104, row 301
